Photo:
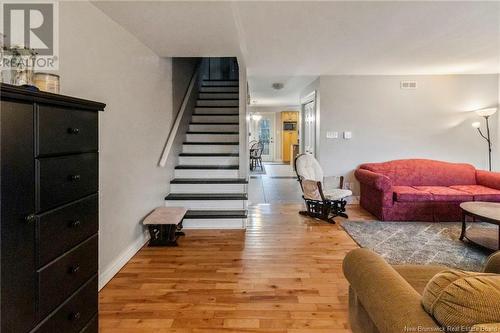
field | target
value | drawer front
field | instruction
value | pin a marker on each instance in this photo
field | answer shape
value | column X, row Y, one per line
column 64, row 228
column 62, row 130
column 65, row 179
column 67, row 274
column 76, row 313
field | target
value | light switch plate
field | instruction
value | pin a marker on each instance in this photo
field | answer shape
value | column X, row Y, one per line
column 347, row 135
column 332, row 135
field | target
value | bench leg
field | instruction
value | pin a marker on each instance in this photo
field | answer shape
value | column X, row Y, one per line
column 179, row 231
column 163, row 235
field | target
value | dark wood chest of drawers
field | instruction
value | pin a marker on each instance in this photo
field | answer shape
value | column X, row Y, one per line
column 49, row 212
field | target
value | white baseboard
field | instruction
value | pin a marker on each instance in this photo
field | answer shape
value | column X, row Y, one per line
column 122, row 259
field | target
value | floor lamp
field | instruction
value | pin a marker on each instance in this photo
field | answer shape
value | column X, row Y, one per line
column 486, row 113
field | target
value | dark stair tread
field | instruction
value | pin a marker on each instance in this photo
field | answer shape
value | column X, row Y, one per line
column 215, row 114
column 209, row 181
column 229, row 91
column 198, row 132
column 203, row 123
column 219, row 86
column 219, row 81
column 216, row 107
column 218, row 99
column 215, row 214
column 213, row 143
column 220, row 92
column 207, row 167
column 209, row 154
column 196, row 113
column 207, row 196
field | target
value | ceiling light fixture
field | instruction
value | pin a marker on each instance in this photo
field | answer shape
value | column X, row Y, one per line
column 278, row 85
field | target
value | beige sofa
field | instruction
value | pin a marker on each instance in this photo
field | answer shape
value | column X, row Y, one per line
column 387, row 299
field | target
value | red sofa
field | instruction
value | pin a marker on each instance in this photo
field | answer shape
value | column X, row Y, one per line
column 423, row 190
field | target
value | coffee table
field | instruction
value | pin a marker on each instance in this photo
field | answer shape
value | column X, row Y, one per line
column 488, row 212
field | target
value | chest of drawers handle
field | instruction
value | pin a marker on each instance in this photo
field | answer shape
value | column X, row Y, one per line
column 30, row 218
column 74, row 131
column 74, row 269
column 75, row 224
column 75, row 316
column 75, row 178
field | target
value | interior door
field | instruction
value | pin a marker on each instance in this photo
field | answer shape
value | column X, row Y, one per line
column 265, row 131
column 310, row 127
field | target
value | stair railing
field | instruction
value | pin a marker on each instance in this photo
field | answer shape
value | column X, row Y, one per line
column 178, row 118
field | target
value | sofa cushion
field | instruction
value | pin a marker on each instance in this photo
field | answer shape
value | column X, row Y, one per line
column 418, row 276
column 443, row 193
column 420, row 172
column 462, row 299
column 410, row 194
column 479, row 192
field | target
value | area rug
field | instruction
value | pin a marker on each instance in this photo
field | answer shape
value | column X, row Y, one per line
column 418, row 243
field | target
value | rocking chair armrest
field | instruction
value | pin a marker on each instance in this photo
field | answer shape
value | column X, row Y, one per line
column 373, row 179
column 333, row 182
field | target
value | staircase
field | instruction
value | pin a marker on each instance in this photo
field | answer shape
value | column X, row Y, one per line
column 206, row 181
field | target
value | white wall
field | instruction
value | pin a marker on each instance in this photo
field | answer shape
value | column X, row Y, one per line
column 275, row 110
column 99, row 60
column 433, row 121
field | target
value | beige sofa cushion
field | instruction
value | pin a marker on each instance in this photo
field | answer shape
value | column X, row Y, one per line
column 456, row 298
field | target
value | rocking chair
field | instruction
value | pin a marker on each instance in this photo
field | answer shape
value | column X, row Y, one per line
column 322, row 202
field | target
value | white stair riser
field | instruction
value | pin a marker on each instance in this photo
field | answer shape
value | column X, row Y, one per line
column 221, row 83
column 208, row 160
column 205, row 173
column 214, row 128
column 212, row 137
column 217, row 149
column 208, row 188
column 218, row 96
column 215, row 119
column 219, row 89
column 207, row 204
column 214, row 223
column 233, row 111
column 217, row 102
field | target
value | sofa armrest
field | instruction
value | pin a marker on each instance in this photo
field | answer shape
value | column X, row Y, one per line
column 392, row 303
column 493, row 264
column 373, row 179
column 488, row 178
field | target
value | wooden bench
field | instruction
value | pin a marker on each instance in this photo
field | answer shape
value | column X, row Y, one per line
column 165, row 225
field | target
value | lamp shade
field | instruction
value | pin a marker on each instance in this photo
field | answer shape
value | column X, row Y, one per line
column 486, row 112
column 476, row 124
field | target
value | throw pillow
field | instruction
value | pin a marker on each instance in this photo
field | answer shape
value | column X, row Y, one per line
column 462, row 299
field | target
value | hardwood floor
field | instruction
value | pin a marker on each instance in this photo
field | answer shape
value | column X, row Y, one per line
column 283, row 274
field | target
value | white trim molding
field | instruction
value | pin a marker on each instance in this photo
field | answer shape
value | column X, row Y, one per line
column 122, row 259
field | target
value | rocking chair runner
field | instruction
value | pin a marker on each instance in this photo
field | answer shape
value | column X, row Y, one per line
column 322, row 202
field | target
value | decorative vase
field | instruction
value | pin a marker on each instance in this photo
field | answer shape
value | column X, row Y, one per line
column 21, row 62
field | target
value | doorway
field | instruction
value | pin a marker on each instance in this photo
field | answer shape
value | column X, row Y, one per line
column 309, row 121
column 263, row 130
column 277, row 129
